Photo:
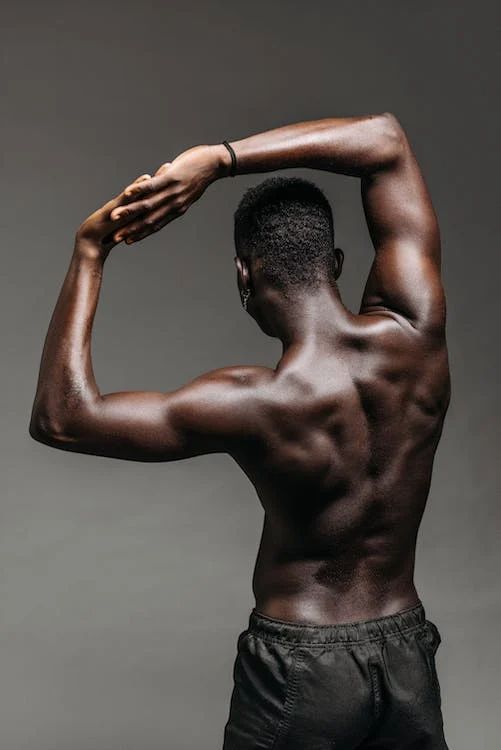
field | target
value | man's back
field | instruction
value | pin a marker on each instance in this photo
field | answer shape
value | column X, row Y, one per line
column 341, row 459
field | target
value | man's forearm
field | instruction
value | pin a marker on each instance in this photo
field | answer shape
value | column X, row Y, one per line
column 353, row 146
column 357, row 146
column 66, row 383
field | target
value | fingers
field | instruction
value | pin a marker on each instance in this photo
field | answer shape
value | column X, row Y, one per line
column 148, row 186
column 142, row 186
column 137, row 181
column 132, row 202
column 119, row 199
column 136, row 208
column 155, row 220
column 155, row 227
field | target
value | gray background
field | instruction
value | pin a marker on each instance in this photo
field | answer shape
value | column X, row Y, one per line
column 123, row 586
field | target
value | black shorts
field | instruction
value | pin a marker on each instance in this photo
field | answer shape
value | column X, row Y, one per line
column 371, row 685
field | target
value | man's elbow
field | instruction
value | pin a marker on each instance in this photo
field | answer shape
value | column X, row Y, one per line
column 393, row 136
column 49, row 431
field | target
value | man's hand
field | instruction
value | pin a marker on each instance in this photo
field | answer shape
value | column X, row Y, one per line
column 152, row 203
column 98, row 233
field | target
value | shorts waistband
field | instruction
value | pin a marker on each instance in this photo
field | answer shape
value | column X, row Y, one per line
column 349, row 632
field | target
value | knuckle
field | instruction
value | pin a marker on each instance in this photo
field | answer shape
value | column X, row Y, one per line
column 177, row 203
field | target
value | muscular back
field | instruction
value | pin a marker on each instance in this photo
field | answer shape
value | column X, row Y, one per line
column 342, row 465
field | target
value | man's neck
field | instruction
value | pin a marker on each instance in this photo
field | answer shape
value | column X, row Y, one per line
column 308, row 317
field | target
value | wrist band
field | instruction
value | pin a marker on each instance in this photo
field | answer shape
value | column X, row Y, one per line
column 233, row 168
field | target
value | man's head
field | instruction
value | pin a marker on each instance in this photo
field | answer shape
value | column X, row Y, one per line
column 284, row 238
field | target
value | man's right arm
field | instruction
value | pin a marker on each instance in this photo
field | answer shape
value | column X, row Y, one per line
column 404, row 280
column 405, row 276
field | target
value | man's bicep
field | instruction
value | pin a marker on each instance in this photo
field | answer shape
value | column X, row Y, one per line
column 406, row 273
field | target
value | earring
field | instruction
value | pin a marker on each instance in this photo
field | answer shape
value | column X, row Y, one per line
column 245, row 298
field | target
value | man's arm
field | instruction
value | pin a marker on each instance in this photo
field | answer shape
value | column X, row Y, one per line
column 405, row 278
column 216, row 412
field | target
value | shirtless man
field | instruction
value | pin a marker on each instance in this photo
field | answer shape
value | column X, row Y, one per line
column 338, row 439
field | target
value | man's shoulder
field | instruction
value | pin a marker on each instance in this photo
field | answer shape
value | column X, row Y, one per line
column 241, row 375
column 402, row 353
column 223, row 403
column 382, row 329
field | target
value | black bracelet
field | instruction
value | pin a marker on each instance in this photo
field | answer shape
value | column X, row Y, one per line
column 233, row 168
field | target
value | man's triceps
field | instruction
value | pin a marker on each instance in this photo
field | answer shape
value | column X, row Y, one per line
column 408, row 283
column 208, row 415
column 406, row 273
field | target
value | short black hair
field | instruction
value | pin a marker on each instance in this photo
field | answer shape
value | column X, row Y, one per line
column 287, row 223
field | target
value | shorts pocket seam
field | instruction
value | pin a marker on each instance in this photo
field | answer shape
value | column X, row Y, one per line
column 376, row 690
column 430, row 647
column 434, row 677
column 291, row 691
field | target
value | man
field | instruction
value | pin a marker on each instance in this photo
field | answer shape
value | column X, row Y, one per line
column 338, row 439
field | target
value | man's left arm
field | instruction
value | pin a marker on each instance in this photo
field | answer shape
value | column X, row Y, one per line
column 213, row 413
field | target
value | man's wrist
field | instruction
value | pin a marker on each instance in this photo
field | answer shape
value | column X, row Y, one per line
column 87, row 249
column 221, row 160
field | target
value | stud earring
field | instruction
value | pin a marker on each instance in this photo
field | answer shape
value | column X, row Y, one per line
column 245, row 298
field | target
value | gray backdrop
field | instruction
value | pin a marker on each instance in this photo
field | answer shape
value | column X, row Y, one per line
column 123, row 585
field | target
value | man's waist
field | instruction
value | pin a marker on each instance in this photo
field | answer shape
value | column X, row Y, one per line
column 310, row 592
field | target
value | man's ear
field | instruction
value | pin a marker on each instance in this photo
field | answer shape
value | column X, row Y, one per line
column 243, row 275
column 338, row 264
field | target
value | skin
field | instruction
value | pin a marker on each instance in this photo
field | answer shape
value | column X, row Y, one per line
column 339, row 438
